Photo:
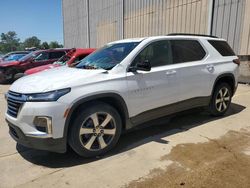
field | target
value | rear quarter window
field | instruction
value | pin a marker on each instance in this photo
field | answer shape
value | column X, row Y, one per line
column 187, row 51
column 222, row 47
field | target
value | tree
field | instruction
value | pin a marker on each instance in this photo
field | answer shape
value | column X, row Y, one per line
column 32, row 42
column 45, row 45
column 9, row 41
column 54, row 44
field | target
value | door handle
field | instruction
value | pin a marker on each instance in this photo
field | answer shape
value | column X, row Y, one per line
column 171, row 72
column 210, row 68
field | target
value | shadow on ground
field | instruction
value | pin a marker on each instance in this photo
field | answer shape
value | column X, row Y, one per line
column 151, row 132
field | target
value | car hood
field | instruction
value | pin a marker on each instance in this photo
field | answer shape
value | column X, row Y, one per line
column 8, row 63
column 57, row 78
column 40, row 68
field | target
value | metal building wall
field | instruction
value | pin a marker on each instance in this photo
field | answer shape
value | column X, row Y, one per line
column 75, row 23
column 245, row 33
column 228, row 21
column 105, row 21
column 111, row 20
column 160, row 17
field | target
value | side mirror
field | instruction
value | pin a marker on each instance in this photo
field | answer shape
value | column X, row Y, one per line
column 143, row 66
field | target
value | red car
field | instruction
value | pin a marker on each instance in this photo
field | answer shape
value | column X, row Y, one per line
column 71, row 58
column 9, row 70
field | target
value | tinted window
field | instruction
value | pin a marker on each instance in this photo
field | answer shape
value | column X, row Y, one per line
column 222, row 47
column 157, row 53
column 187, row 50
column 56, row 55
column 42, row 56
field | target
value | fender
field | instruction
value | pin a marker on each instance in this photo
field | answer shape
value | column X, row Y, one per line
column 115, row 96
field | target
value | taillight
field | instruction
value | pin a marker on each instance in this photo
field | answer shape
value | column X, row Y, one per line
column 236, row 61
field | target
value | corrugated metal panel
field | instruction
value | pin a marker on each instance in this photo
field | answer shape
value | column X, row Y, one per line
column 105, row 21
column 227, row 23
column 159, row 17
column 154, row 17
column 245, row 45
column 75, row 21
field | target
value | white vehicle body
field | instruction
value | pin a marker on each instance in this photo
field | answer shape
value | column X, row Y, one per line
column 141, row 91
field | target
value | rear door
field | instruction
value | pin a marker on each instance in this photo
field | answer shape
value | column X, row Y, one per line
column 193, row 71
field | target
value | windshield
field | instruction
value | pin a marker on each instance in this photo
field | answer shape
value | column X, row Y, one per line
column 108, row 56
column 63, row 60
column 14, row 57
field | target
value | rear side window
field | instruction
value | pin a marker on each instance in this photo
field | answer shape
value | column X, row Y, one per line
column 222, row 47
column 186, row 51
column 56, row 55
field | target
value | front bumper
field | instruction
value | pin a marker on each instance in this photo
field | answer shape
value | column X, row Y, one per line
column 29, row 110
column 49, row 144
column 23, row 128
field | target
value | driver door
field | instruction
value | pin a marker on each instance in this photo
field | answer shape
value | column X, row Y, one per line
column 149, row 91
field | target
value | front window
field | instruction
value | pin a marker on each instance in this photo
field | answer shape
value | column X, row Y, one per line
column 157, row 54
column 108, row 56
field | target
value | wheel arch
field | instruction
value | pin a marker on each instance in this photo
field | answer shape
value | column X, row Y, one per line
column 112, row 99
column 226, row 77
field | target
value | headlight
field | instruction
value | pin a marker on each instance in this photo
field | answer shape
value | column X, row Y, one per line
column 48, row 96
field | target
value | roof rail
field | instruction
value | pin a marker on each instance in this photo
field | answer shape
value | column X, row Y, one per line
column 190, row 34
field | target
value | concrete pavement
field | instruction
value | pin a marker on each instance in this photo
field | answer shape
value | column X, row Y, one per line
column 137, row 154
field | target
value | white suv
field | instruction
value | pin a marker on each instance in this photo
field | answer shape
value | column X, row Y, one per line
column 121, row 85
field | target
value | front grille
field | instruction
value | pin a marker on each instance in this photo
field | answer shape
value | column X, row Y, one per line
column 14, row 101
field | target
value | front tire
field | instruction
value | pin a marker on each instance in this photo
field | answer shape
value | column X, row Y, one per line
column 96, row 129
column 221, row 99
column 10, row 75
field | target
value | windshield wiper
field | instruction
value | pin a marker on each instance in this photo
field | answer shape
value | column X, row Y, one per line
column 89, row 67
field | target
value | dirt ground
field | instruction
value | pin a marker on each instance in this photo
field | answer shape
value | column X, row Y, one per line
column 223, row 162
column 191, row 149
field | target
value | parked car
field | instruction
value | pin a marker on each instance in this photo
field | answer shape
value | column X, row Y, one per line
column 10, row 69
column 118, row 87
column 4, row 57
column 71, row 59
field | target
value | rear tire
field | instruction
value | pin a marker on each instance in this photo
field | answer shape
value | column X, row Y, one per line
column 96, row 129
column 221, row 99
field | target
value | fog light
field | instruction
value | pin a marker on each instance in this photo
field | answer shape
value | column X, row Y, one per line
column 43, row 124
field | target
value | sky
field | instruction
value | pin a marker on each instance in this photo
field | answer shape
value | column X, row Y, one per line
column 41, row 18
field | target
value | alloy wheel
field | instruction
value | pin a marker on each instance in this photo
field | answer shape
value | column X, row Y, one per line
column 97, row 131
column 222, row 99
